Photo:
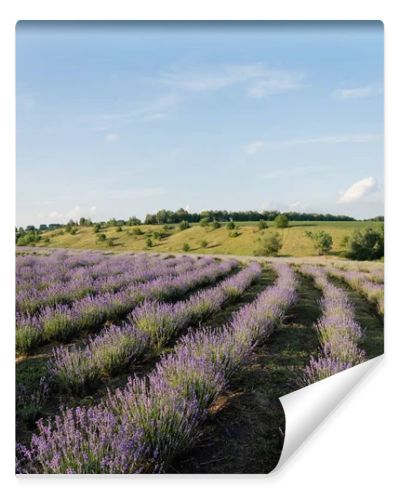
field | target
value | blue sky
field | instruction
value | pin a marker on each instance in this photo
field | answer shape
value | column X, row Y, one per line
column 120, row 119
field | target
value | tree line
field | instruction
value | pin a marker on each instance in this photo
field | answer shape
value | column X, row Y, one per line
column 171, row 217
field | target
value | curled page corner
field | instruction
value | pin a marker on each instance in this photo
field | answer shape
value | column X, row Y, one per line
column 308, row 407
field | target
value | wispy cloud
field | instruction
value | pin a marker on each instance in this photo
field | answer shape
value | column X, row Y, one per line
column 74, row 213
column 325, row 139
column 158, row 109
column 356, row 92
column 257, row 79
column 358, row 190
column 254, row 147
column 137, row 193
column 111, row 137
column 293, row 171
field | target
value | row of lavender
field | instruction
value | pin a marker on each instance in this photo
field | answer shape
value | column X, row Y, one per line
column 149, row 327
column 338, row 329
column 63, row 279
column 142, row 427
column 88, row 314
column 369, row 285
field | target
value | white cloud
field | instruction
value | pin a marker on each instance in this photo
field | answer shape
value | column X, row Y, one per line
column 111, row 137
column 356, row 92
column 135, row 193
column 74, row 213
column 358, row 190
column 325, row 139
column 294, row 171
column 254, row 147
column 258, row 79
column 157, row 109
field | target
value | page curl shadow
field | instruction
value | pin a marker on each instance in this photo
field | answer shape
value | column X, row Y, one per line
column 305, row 409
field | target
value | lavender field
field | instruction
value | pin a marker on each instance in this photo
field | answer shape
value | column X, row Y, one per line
column 141, row 363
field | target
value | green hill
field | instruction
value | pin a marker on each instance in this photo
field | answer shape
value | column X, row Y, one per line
column 242, row 241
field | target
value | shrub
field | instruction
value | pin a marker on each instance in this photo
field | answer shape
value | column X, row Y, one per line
column 96, row 228
column 230, row 226
column 204, row 221
column 184, row 225
column 110, row 242
column 366, row 245
column 234, row 234
column 101, row 237
column 30, row 238
column 262, row 225
column 216, row 224
column 149, row 242
column 137, row 231
column 281, row 221
column 119, row 229
column 73, row 230
column 270, row 244
column 322, row 241
column 204, row 243
column 27, row 338
column 186, row 247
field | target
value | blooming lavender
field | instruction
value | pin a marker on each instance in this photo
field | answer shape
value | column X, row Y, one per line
column 90, row 313
column 149, row 328
column 84, row 441
column 159, row 417
column 338, row 329
column 364, row 283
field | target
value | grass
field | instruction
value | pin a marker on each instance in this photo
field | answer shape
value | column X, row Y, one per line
column 219, row 241
column 30, row 369
column 246, row 429
column 369, row 319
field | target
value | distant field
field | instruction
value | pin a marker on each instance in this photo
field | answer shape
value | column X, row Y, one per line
column 295, row 243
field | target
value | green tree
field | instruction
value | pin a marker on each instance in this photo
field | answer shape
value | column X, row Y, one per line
column 134, row 221
column 368, row 244
column 281, row 221
column 270, row 244
column 322, row 241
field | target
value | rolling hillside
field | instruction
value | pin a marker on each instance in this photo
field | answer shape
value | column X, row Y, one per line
column 219, row 241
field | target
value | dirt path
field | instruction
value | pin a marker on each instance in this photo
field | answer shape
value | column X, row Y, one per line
column 31, row 369
column 245, row 431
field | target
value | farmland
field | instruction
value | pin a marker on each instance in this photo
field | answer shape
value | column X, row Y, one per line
column 145, row 363
column 243, row 241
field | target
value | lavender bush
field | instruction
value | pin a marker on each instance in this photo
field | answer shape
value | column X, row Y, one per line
column 339, row 332
column 149, row 328
column 157, row 418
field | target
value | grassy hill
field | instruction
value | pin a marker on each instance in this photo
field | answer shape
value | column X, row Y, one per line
column 219, row 241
